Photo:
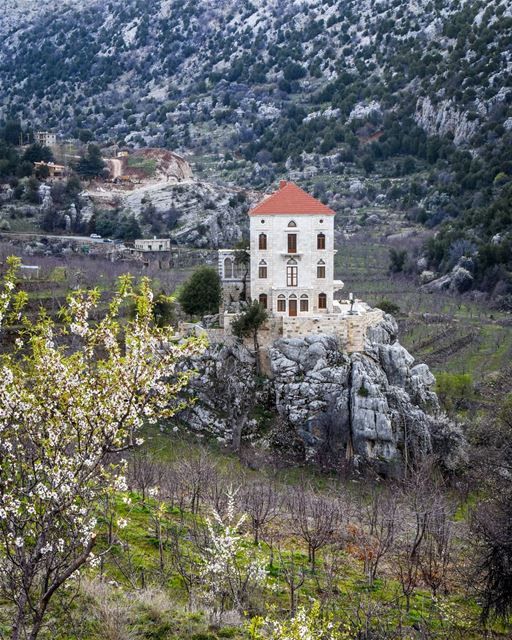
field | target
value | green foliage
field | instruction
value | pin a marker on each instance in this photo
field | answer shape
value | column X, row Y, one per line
column 201, row 294
column 397, row 260
column 37, row 153
column 454, row 389
column 249, row 322
column 388, row 306
column 363, row 391
column 91, row 165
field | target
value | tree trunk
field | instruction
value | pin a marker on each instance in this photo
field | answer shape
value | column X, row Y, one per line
column 257, row 353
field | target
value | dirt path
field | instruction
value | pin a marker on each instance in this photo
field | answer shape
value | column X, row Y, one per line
column 115, row 166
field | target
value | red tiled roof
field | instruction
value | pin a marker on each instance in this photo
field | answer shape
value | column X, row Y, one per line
column 290, row 200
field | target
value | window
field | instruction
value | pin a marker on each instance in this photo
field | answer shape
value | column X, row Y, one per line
column 292, row 243
column 263, row 222
column 262, row 269
column 281, row 303
column 262, row 244
column 292, row 223
column 292, row 305
column 263, row 300
column 291, row 276
column 304, row 303
column 322, row 301
column 320, row 241
column 228, row 268
column 320, row 269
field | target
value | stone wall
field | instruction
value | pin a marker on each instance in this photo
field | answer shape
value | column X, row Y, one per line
column 350, row 330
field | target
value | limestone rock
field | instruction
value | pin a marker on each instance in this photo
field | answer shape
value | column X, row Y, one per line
column 376, row 407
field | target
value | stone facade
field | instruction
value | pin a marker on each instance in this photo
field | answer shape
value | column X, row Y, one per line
column 286, row 263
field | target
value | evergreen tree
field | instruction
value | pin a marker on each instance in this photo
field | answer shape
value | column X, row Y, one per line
column 200, row 295
column 91, row 165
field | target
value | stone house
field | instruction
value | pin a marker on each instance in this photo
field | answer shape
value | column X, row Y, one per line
column 291, row 273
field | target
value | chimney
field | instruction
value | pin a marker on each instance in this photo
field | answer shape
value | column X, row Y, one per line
column 282, row 183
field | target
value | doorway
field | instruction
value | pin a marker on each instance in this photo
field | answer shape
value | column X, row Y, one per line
column 292, row 307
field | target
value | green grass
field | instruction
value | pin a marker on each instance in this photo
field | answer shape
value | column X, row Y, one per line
column 147, row 165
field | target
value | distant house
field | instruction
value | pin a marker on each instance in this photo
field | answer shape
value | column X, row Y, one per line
column 29, row 271
column 54, row 170
column 156, row 244
column 122, row 154
column 45, row 138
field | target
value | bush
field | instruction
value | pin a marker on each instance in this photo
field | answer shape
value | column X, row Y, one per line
column 388, row 306
column 397, row 260
column 454, row 389
column 201, row 293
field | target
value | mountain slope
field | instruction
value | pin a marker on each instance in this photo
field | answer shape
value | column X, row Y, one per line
column 415, row 94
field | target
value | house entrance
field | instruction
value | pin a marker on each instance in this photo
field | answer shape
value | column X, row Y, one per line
column 292, row 307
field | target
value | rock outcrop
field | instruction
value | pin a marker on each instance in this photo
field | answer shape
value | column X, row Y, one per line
column 445, row 118
column 372, row 408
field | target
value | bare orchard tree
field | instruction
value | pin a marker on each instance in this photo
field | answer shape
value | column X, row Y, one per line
column 437, row 549
column 195, row 474
column 262, row 503
column 293, row 575
column 63, row 414
column 376, row 535
column 144, row 473
column 315, row 518
column 419, row 497
column 186, row 562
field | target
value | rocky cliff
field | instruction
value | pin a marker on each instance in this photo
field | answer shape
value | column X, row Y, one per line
column 374, row 408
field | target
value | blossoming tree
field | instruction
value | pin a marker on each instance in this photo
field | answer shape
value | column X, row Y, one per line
column 73, row 396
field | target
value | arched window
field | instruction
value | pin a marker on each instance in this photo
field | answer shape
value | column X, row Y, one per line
column 262, row 242
column 228, row 267
column 263, row 300
column 281, row 303
column 320, row 241
column 262, row 269
column 292, row 305
column 322, row 301
column 292, row 223
column 304, row 303
column 320, row 269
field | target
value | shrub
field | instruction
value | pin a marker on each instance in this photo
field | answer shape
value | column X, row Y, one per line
column 388, row 306
column 201, row 293
column 454, row 389
column 397, row 259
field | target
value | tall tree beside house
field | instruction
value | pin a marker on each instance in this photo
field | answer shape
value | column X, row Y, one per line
column 66, row 413
column 91, row 165
column 243, row 261
column 248, row 324
column 38, row 153
column 201, row 294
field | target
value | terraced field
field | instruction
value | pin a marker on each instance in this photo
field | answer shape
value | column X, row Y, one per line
column 449, row 333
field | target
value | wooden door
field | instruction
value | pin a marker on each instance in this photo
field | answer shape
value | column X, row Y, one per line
column 292, row 307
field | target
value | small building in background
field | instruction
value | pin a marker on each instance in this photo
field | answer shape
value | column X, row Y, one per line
column 29, row 271
column 156, row 244
column 45, row 138
column 54, row 170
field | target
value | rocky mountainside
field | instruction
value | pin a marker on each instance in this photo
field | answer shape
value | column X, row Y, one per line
column 414, row 96
column 372, row 408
